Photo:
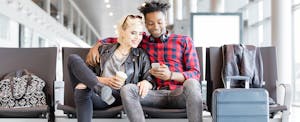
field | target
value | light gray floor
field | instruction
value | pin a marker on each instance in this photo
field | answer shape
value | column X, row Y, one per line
column 109, row 120
column 126, row 120
column 22, row 120
column 62, row 118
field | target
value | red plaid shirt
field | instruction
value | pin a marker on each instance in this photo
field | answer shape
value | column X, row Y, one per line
column 177, row 52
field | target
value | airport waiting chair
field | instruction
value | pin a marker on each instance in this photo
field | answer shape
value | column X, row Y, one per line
column 152, row 112
column 69, row 107
column 41, row 62
column 213, row 75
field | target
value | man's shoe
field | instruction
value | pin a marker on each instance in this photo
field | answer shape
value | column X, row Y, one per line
column 106, row 94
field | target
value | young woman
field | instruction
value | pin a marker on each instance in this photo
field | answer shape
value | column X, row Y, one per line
column 97, row 87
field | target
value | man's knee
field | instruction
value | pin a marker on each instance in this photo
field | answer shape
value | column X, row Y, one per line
column 192, row 87
column 129, row 89
column 191, row 83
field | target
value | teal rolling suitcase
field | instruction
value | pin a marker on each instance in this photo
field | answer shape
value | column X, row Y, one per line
column 240, row 105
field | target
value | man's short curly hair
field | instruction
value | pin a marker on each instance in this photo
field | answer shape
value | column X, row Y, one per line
column 153, row 6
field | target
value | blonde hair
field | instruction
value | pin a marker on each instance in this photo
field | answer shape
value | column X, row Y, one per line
column 127, row 21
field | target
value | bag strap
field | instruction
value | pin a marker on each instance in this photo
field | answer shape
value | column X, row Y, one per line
column 19, row 74
column 11, row 84
column 22, row 72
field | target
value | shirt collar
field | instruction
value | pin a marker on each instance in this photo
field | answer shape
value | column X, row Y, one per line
column 133, row 51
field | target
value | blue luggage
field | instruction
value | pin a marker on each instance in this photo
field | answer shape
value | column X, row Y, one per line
column 240, row 104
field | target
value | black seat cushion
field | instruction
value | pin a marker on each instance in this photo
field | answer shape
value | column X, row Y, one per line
column 113, row 112
column 25, row 112
column 151, row 112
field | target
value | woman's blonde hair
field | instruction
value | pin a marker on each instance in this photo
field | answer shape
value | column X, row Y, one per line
column 126, row 21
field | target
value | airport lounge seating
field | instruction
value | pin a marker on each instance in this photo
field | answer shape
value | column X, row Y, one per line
column 151, row 112
column 41, row 62
column 69, row 107
column 279, row 112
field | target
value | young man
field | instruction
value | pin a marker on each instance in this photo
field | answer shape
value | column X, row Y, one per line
column 177, row 76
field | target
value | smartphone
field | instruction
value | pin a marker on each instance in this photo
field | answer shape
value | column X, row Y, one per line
column 155, row 65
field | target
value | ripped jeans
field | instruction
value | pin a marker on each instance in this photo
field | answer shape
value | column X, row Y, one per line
column 86, row 100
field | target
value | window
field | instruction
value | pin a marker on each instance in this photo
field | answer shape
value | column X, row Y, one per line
column 296, row 2
column 9, row 32
column 296, row 53
column 29, row 38
column 205, row 27
column 257, row 23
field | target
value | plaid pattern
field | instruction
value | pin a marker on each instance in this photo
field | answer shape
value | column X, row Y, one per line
column 177, row 52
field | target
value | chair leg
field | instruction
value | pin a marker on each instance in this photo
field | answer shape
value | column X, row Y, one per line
column 285, row 116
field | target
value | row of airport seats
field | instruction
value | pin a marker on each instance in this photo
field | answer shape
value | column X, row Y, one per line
column 42, row 62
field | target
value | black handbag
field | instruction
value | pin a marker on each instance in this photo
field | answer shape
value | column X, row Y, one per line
column 22, row 89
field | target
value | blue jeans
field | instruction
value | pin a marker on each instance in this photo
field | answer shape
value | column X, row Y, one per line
column 85, row 99
column 188, row 97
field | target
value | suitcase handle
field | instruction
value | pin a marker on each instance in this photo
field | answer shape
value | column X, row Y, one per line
column 230, row 78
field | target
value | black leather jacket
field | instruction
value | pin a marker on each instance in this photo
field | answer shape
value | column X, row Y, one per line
column 137, row 64
column 243, row 60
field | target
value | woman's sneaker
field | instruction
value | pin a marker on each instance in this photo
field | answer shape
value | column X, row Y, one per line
column 106, row 93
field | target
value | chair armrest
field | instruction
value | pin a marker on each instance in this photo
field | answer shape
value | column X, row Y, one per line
column 287, row 94
column 287, row 99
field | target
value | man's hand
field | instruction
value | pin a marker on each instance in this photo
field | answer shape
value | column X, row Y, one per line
column 92, row 57
column 162, row 72
column 112, row 82
column 144, row 87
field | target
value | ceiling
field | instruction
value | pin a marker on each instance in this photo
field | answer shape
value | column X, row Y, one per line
column 98, row 14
